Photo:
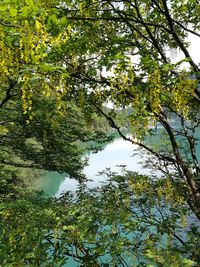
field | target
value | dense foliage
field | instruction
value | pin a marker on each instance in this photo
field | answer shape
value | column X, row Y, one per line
column 61, row 61
column 126, row 222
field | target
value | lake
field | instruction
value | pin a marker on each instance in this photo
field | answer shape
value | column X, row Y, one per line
column 115, row 154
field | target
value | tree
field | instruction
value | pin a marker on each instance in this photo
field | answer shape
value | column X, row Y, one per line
column 93, row 52
column 112, row 225
column 50, row 141
column 38, row 127
column 69, row 45
column 132, row 40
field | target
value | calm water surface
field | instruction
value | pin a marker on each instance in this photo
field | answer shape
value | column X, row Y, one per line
column 114, row 155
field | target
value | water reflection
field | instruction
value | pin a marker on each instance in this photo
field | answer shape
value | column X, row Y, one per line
column 115, row 154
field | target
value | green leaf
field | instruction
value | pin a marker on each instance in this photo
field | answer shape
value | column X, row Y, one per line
column 3, row 7
column 166, row 67
column 29, row 2
column 13, row 12
column 26, row 10
column 188, row 263
column 150, row 254
column 53, row 19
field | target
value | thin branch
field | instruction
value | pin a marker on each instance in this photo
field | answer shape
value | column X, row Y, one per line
column 21, row 165
column 154, row 41
column 8, row 93
column 135, row 142
column 184, row 170
column 177, row 39
column 128, row 23
column 185, row 28
column 192, row 146
column 8, row 25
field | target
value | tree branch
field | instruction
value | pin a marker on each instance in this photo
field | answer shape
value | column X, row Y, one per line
column 8, row 93
column 135, row 142
column 177, row 39
column 8, row 25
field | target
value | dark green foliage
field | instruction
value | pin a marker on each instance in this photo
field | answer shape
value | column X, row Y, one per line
column 60, row 63
column 51, row 140
column 129, row 221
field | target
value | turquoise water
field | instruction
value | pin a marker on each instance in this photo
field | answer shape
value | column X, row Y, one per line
column 116, row 154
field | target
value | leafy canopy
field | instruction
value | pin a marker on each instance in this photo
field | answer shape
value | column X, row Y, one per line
column 93, row 52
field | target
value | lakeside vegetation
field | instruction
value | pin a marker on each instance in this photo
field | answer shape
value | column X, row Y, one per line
column 62, row 63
